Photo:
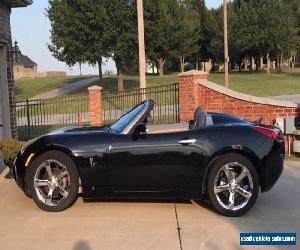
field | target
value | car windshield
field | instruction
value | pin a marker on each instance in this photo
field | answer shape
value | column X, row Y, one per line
column 120, row 124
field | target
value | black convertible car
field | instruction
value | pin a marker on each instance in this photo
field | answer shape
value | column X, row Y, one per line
column 224, row 158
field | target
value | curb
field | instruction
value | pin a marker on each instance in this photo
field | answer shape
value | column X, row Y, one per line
column 4, row 173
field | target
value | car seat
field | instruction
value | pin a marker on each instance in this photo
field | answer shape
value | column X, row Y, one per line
column 199, row 120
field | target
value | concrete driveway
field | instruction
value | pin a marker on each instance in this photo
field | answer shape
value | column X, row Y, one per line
column 145, row 225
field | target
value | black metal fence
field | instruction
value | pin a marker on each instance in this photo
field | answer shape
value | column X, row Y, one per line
column 37, row 117
column 166, row 98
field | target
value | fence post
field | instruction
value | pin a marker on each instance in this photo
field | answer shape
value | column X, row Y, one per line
column 95, row 105
column 188, row 92
column 28, row 118
column 79, row 120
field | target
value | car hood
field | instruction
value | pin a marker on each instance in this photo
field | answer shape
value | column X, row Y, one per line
column 78, row 129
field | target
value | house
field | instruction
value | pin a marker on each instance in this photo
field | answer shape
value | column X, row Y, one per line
column 23, row 66
column 7, row 94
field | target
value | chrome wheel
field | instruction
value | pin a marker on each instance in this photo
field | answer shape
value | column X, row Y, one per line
column 233, row 186
column 52, row 182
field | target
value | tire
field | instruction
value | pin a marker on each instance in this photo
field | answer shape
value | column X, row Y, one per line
column 225, row 173
column 62, row 181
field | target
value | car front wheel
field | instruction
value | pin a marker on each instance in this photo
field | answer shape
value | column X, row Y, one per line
column 53, row 181
column 233, row 185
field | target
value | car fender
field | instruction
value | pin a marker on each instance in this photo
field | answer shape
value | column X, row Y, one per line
column 38, row 152
column 244, row 151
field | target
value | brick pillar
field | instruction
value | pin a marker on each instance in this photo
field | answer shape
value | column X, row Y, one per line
column 95, row 105
column 189, row 92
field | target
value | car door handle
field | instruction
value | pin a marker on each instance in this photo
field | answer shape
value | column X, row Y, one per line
column 187, row 141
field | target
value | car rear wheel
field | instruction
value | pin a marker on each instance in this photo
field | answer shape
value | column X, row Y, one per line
column 53, row 181
column 233, row 185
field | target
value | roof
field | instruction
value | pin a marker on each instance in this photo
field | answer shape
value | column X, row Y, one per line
column 19, row 58
column 18, row 3
column 26, row 61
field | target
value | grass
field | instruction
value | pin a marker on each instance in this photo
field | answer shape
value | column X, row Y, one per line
column 252, row 83
column 72, row 104
column 60, row 105
column 27, row 88
column 262, row 84
column 256, row 83
column 131, row 82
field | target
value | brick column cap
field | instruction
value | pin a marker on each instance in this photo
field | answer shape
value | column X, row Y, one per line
column 193, row 73
column 245, row 97
column 95, row 87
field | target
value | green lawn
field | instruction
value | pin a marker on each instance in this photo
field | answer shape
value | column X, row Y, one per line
column 256, row 83
column 74, row 103
column 27, row 88
column 131, row 82
column 71, row 104
column 259, row 84
column 262, row 84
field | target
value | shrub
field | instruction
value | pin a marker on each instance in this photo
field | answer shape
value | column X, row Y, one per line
column 10, row 148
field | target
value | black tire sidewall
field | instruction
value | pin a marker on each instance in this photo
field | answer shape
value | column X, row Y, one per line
column 214, row 169
column 74, row 179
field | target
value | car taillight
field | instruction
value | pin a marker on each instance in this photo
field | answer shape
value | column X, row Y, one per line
column 271, row 133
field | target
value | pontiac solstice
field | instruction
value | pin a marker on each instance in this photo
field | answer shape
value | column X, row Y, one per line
column 221, row 157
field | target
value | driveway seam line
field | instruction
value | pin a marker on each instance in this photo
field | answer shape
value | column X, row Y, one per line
column 178, row 227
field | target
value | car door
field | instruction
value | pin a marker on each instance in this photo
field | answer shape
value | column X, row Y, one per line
column 92, row 155
column 155, row 162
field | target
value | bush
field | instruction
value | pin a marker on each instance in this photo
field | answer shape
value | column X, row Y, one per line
column 10, row 148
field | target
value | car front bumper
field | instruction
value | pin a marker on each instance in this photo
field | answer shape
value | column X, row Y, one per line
column 19, row 172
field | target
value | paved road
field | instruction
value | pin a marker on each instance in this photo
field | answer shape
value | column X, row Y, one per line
column 289, row 98
column 145, row 225
column 69, row 88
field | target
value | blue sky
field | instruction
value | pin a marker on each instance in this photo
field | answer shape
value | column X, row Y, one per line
column 30, row 27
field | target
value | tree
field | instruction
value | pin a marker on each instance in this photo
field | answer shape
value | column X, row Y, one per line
column 79, row 32
column 217, row 42
column 260, row 28
column 94, row 26
column 123, row 36
column 206, row 29
column 296, row 9
column 65, row 45
column 247, row 40
column 282, row 33
column 186, row 31
column 158, row 31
